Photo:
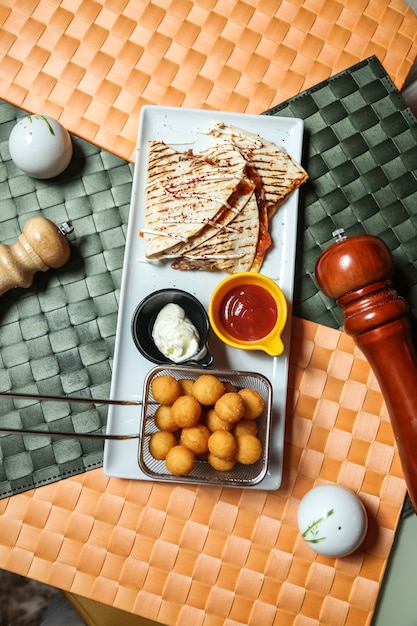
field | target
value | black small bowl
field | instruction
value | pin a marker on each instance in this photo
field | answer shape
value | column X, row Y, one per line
column 145, row 315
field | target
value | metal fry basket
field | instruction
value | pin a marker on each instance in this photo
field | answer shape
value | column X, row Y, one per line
column 203, row 472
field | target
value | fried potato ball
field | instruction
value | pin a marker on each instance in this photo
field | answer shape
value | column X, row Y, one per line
column 221, row 465
column 248, row 449
column 195, row 438
column 230, row 407
column 160, row 443
column 254, row 403
column 207, row 389
column 164, row 420
column 213, row 422
column 186, row 385
column 165, row 389
column 245, row 427
column 222, row 444
column 180, row 460
column 186, row 411
column 228, row 386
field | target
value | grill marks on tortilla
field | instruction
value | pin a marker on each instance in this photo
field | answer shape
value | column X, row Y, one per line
column 229, row 159
column 227, row 251
column 280, row 180
column 184, row 193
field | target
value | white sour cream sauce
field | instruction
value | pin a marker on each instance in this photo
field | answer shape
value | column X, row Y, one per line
column 174, row 335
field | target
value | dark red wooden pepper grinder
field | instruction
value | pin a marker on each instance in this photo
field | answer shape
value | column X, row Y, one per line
column 357, row 272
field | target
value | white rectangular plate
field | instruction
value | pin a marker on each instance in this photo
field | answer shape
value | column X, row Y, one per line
column 177, row 127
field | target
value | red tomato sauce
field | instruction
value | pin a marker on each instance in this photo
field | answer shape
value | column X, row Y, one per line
column 248, row 312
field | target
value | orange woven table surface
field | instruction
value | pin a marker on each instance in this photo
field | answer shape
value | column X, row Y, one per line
column 180, row 555
column 212, row 556
column 92, row 65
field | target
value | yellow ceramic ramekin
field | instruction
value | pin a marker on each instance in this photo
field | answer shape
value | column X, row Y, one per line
column 272, row 342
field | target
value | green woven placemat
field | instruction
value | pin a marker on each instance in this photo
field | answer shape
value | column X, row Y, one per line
column 57, row 336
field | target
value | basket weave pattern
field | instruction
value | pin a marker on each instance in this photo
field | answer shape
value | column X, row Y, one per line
column 180, row 555
column 92, row 65
column 185, row 554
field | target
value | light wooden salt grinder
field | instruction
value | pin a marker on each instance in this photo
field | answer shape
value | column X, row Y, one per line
column 41, row 246
column 357, row 272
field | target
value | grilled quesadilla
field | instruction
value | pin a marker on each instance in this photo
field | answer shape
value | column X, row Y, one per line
column 211, row 210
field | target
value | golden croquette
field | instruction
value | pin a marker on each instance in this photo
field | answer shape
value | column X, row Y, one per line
column 230, row 407
column 163, row 419
column 195, row 438
column 186, row 385
column 221, row 465
column 180, row 460
column 245, row 427
column 254, row 403
column 165, row 389
column 186, row 411
column 160, row 443
column 248, row 449
column 222, row 444
column 213, row 422
column 207, row 389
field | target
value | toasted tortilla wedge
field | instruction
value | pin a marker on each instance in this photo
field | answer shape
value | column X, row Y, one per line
column 184, row 193
column 279, row 172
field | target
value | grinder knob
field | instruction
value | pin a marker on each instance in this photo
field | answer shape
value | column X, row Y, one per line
column 352, row 263
column 41, row 246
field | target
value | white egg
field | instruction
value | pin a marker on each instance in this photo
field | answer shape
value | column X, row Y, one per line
column 40, row 146
column 332, row 520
